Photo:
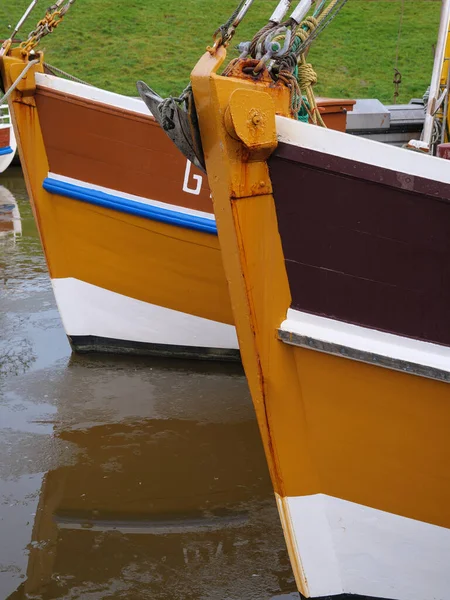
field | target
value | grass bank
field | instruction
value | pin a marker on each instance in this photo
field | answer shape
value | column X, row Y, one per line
column 111, row 44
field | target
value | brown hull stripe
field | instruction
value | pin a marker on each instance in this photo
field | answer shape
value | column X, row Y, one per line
column 4, row 137
column 117, row 149
column 362, row 251
column 351, row 168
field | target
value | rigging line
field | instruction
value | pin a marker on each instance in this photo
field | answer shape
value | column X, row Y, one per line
column 24, row 18
column 326, row 20
column 60, row 73
column 399, row 33
column 227, row 30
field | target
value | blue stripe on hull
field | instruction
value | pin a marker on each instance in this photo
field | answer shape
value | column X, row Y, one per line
column 6, row 150
column 131, row 207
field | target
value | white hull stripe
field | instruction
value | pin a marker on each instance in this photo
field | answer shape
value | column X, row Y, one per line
column 361, row 150
column 366, row 345
column 134, row 205
column 345, row 547
column 94, row 94
column 125, row 196
column 89, row 310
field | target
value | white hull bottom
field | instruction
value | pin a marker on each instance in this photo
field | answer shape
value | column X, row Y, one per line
column 341, row 547
column 96, row 319
column 5, row 161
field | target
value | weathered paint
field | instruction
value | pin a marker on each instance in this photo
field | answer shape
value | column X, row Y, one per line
column 154, row 262
column 364, row 250
column 115, row 148
column 330, row 425
column 252, row 217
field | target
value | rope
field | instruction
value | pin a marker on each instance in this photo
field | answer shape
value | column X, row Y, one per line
column 60, row 73
column 291, row 82
column 324, row 19
column 225, row 32
column 27, row 67
column 260, row 37
column 303, row 101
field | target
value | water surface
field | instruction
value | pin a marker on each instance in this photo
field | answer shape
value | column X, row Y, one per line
column 122, row 477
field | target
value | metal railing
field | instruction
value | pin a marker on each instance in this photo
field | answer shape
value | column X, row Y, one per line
column 5, row 117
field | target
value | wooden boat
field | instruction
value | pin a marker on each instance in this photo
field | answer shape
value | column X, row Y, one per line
column 336, row 250
column 8, row 143
column 126, row 222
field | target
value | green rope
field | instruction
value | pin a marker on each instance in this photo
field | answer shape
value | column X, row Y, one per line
column 302, row 114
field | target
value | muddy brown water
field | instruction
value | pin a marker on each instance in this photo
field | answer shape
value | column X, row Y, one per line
column 122, row 477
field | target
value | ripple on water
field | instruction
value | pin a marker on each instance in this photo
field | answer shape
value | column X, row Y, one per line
column 123, row 477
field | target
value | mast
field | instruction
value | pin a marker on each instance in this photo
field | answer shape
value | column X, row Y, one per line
column 435, row 98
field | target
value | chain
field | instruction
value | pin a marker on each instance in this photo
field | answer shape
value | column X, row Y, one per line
column 47, row 25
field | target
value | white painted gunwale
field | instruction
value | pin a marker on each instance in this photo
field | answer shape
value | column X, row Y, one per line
column 131, row 197
column 362, row 150
column 89, row 310
column 366, row 340
column 87, row 92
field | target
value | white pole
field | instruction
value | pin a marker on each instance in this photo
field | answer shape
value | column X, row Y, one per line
column 436, row 75
column 24, row 18
column 301, row 11
column 280, row 11
column 242, row 13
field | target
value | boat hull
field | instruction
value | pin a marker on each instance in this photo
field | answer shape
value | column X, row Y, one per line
column 126, row 225
column 338, row 274
column 119, row 324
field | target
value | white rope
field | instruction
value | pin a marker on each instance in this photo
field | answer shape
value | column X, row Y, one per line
column 4, row 100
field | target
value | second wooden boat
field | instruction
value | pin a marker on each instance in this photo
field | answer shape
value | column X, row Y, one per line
column 126, row 221
column 336, row 249
column 8, row 143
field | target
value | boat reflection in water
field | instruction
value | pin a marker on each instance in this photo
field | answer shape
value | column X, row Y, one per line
column 10, row 222
column 123, row 477
column 163, row 492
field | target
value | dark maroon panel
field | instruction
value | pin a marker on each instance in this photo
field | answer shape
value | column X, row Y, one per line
column 363, row 252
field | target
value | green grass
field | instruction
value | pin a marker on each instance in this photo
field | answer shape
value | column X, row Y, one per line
column 111, row 44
